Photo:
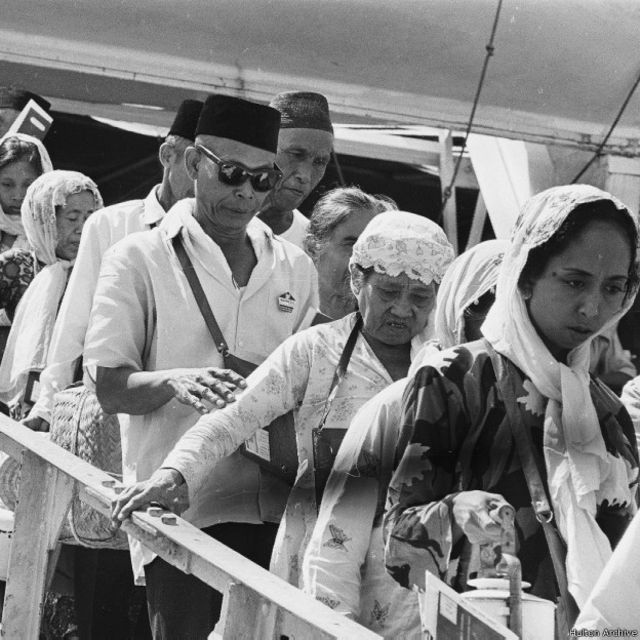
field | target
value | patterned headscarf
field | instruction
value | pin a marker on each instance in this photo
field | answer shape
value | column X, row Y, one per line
column 396, row 242
column 47, row 192
column 471, row 275
column 580, row 471
column 28, row 342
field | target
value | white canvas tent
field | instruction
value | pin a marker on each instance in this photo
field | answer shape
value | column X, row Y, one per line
column 560, row 71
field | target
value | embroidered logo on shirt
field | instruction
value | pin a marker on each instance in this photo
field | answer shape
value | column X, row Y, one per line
column 338, row 538
column 379, row 614
column 286, row 302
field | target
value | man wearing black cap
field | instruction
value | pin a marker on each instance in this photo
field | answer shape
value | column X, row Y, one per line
column 103, row 229
column 304, row 151
column 156, row 359
column 12, row 101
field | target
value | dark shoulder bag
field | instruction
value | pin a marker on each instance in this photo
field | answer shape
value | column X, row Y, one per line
column 567, row 610
column 274, row 447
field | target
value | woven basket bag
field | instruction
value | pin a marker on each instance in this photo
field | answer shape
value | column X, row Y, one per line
column 79, row 425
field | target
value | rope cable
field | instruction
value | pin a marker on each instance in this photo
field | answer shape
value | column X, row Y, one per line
column 601, row 146
column 490, row 51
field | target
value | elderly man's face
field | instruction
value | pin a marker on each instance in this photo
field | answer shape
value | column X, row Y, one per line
column 7, row 118
column 225, row 206
column 303, row 156
column 336, row 297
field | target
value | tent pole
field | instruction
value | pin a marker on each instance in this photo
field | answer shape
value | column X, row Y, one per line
column 450, row 221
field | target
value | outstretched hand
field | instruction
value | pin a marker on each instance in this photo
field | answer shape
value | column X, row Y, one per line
column 165, row 487
column 194, row 386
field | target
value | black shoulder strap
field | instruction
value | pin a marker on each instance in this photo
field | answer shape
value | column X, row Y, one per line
column 199, row 295
column 539, row 499
column 341, row 369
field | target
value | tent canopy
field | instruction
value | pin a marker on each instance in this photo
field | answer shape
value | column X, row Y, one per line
column 560, row 72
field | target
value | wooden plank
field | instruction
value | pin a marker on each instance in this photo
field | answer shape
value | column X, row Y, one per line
column 43, row 501
column 447, row 164
column 194, row 552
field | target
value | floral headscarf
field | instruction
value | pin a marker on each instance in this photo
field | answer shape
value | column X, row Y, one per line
column 396, row 242
column 471, row 275
column 580, row 471
column 49, row 191
column 28, row 342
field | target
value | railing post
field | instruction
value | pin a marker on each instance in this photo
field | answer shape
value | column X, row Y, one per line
column 246, row 615
column 44, row 498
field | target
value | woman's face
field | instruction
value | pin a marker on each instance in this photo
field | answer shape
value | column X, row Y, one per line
column 395, row 309
column 336, row 297
column 581, row 288
column 70, row 219
column 15, row 179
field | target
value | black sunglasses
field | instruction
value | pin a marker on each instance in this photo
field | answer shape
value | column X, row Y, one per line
column 235, row 174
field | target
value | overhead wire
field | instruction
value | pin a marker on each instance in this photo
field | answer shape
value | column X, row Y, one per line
column 601, row 146
column 490, row 48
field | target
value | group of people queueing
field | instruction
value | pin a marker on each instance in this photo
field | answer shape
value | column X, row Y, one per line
column 418, row 388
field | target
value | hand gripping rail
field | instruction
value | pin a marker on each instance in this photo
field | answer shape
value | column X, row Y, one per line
column 257, row 604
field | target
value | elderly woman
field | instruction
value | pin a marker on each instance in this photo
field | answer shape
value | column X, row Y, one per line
column 323, row 375
column 55, row 208
column 352, row 578
column 336, row 222
column 476, row 416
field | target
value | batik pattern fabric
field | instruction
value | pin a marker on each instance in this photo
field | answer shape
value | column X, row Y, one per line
column 296, row 376
column 343, row 565
column 455, row 437
column 18, row 267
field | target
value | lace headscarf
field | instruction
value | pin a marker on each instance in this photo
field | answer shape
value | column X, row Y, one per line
column 471, row 275
column 396, row 242
column 580, row 472
column 7, row 224
column 28, row 342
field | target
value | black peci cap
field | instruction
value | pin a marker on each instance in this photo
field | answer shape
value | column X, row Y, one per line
column 254, row 124
column 303, row 110
column 186, row 120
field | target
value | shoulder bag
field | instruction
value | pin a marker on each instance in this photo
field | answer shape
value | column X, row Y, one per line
column 567, row 610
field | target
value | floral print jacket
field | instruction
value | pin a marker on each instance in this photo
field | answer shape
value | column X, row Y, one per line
column 455, row 437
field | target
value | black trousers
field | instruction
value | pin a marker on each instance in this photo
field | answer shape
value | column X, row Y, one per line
column 185, row 608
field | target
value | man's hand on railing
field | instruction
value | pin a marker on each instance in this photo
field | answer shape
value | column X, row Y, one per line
column 165, row 487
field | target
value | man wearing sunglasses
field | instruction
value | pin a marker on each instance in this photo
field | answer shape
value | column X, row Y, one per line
column 157, row 361
column 304, row 151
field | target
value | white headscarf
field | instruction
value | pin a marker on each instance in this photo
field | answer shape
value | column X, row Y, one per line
column 580, row 471
column 396, row 242
column 28, row 342
column 471, row 275
column 7, row 224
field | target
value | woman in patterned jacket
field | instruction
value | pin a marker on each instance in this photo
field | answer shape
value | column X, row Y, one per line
column 571, row 272
column 343, row 564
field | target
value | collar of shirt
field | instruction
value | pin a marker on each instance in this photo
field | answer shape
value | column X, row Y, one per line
column 201, row 247
column 152, row 211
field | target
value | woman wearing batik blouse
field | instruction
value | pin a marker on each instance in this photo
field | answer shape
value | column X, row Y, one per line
column 571, row 272
column 351, row 577
column 396, row 265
